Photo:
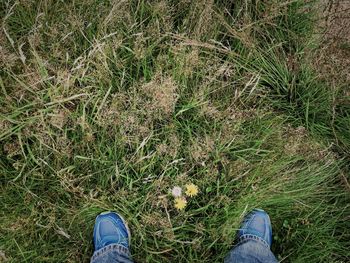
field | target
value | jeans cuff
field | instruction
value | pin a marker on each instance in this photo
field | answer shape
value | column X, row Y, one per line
column 112, row 247
column 248, row 237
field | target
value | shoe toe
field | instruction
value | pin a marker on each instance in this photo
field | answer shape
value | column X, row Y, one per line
column 107, row 228
column 110, row 229
column 257, row 223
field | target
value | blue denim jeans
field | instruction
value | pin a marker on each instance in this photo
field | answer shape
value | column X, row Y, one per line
column 251, row 249
column 248, row 250
column 112, row 253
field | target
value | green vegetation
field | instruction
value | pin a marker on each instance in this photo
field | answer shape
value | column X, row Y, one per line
column 106, row 105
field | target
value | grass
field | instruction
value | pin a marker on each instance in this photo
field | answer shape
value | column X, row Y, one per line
column 106, row 105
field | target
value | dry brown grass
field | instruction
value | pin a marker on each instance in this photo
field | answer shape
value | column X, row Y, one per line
column 333, row 59
column 162, row 95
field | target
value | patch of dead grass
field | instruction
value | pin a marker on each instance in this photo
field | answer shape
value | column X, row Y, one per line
column 188, row 58
column 58, row 118
column 161, row 94
column 5, row 125
column 201, row 17
column 120, row 12
column 8, row 59
column 298, row 142
column 170, row 147
column 332, row 60
column 201, row 149
column 12, row 148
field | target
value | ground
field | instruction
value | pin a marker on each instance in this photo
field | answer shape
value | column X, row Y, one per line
column 108, row 105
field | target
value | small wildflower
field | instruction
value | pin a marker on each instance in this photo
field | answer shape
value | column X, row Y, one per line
column 180, row 203
column 177, row 191
column 191, row 190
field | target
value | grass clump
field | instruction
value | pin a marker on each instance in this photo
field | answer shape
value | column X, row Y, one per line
column 111, row 111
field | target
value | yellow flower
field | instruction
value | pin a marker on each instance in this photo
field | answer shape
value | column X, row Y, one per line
column 180, row 203
column 191, row 190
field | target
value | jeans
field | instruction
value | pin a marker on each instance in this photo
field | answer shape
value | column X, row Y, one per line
column 248, row 250
column 112, row 253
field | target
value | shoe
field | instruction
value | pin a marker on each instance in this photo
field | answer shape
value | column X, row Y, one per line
column 256, row 225
column 110, row 228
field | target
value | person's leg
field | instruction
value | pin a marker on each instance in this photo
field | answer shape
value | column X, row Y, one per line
column 254, row 240
column 111, row 239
